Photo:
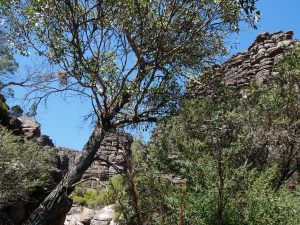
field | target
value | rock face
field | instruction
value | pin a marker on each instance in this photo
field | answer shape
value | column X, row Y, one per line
column 111, row 158
column 256, row 63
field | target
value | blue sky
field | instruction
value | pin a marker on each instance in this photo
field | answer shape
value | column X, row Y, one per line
column 63, row 120
column 276, row 15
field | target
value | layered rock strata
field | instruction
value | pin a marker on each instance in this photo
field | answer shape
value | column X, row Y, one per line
column 110, row 159
column 256, row 63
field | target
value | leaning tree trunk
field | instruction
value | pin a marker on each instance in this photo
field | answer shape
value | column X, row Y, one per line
column 74, row 175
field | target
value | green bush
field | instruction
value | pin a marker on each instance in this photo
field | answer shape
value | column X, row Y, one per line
column 220, row 189
column 24, row 167
column 233, row 154
column 90, row 198
column 97, row 199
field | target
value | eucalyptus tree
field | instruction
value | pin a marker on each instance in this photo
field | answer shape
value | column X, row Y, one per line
column 129, row 58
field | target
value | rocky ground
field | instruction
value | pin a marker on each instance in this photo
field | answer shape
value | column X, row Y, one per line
column 79, row 215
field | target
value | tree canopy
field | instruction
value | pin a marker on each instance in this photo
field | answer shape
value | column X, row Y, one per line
column 124, row 54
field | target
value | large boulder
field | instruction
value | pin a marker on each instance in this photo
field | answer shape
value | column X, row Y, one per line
column 104, row 216
column 31, row 129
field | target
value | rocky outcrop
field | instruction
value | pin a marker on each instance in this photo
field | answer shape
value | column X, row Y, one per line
column 31, row 129
column 112, row 154
column 256, row 63
column 110, row 159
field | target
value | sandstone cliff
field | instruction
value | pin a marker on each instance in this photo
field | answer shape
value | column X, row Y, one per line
column 111, row 157
column 256, row 63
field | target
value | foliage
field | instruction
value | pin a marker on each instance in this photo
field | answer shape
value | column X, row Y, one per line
column 128, row 57
column 24, row 167
column 273, row 110
column 4, row 110
column 115, row 189
column 264, row 206
column 8, row 65
column 225, row 158
column 32, row 110
column 89, row 198
column 100, row 197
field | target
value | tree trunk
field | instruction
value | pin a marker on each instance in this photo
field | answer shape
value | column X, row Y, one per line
column 137, row 205
column 74, row 175
column 182, row 208
column 136, row 199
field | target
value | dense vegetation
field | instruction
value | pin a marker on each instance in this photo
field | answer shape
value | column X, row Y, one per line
column 24, row 168
column 99, row 197
column 230, row 157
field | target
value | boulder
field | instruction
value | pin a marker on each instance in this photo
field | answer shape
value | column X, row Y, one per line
column 30, row 128
column 104, row 216
column 79, row 215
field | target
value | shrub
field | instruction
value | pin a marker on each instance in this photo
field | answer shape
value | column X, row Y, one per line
column 100, row 197
column 24, row 167
column 233, row 154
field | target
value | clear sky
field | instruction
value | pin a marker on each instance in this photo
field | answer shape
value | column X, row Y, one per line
column 276, row 15
column 63, row 120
